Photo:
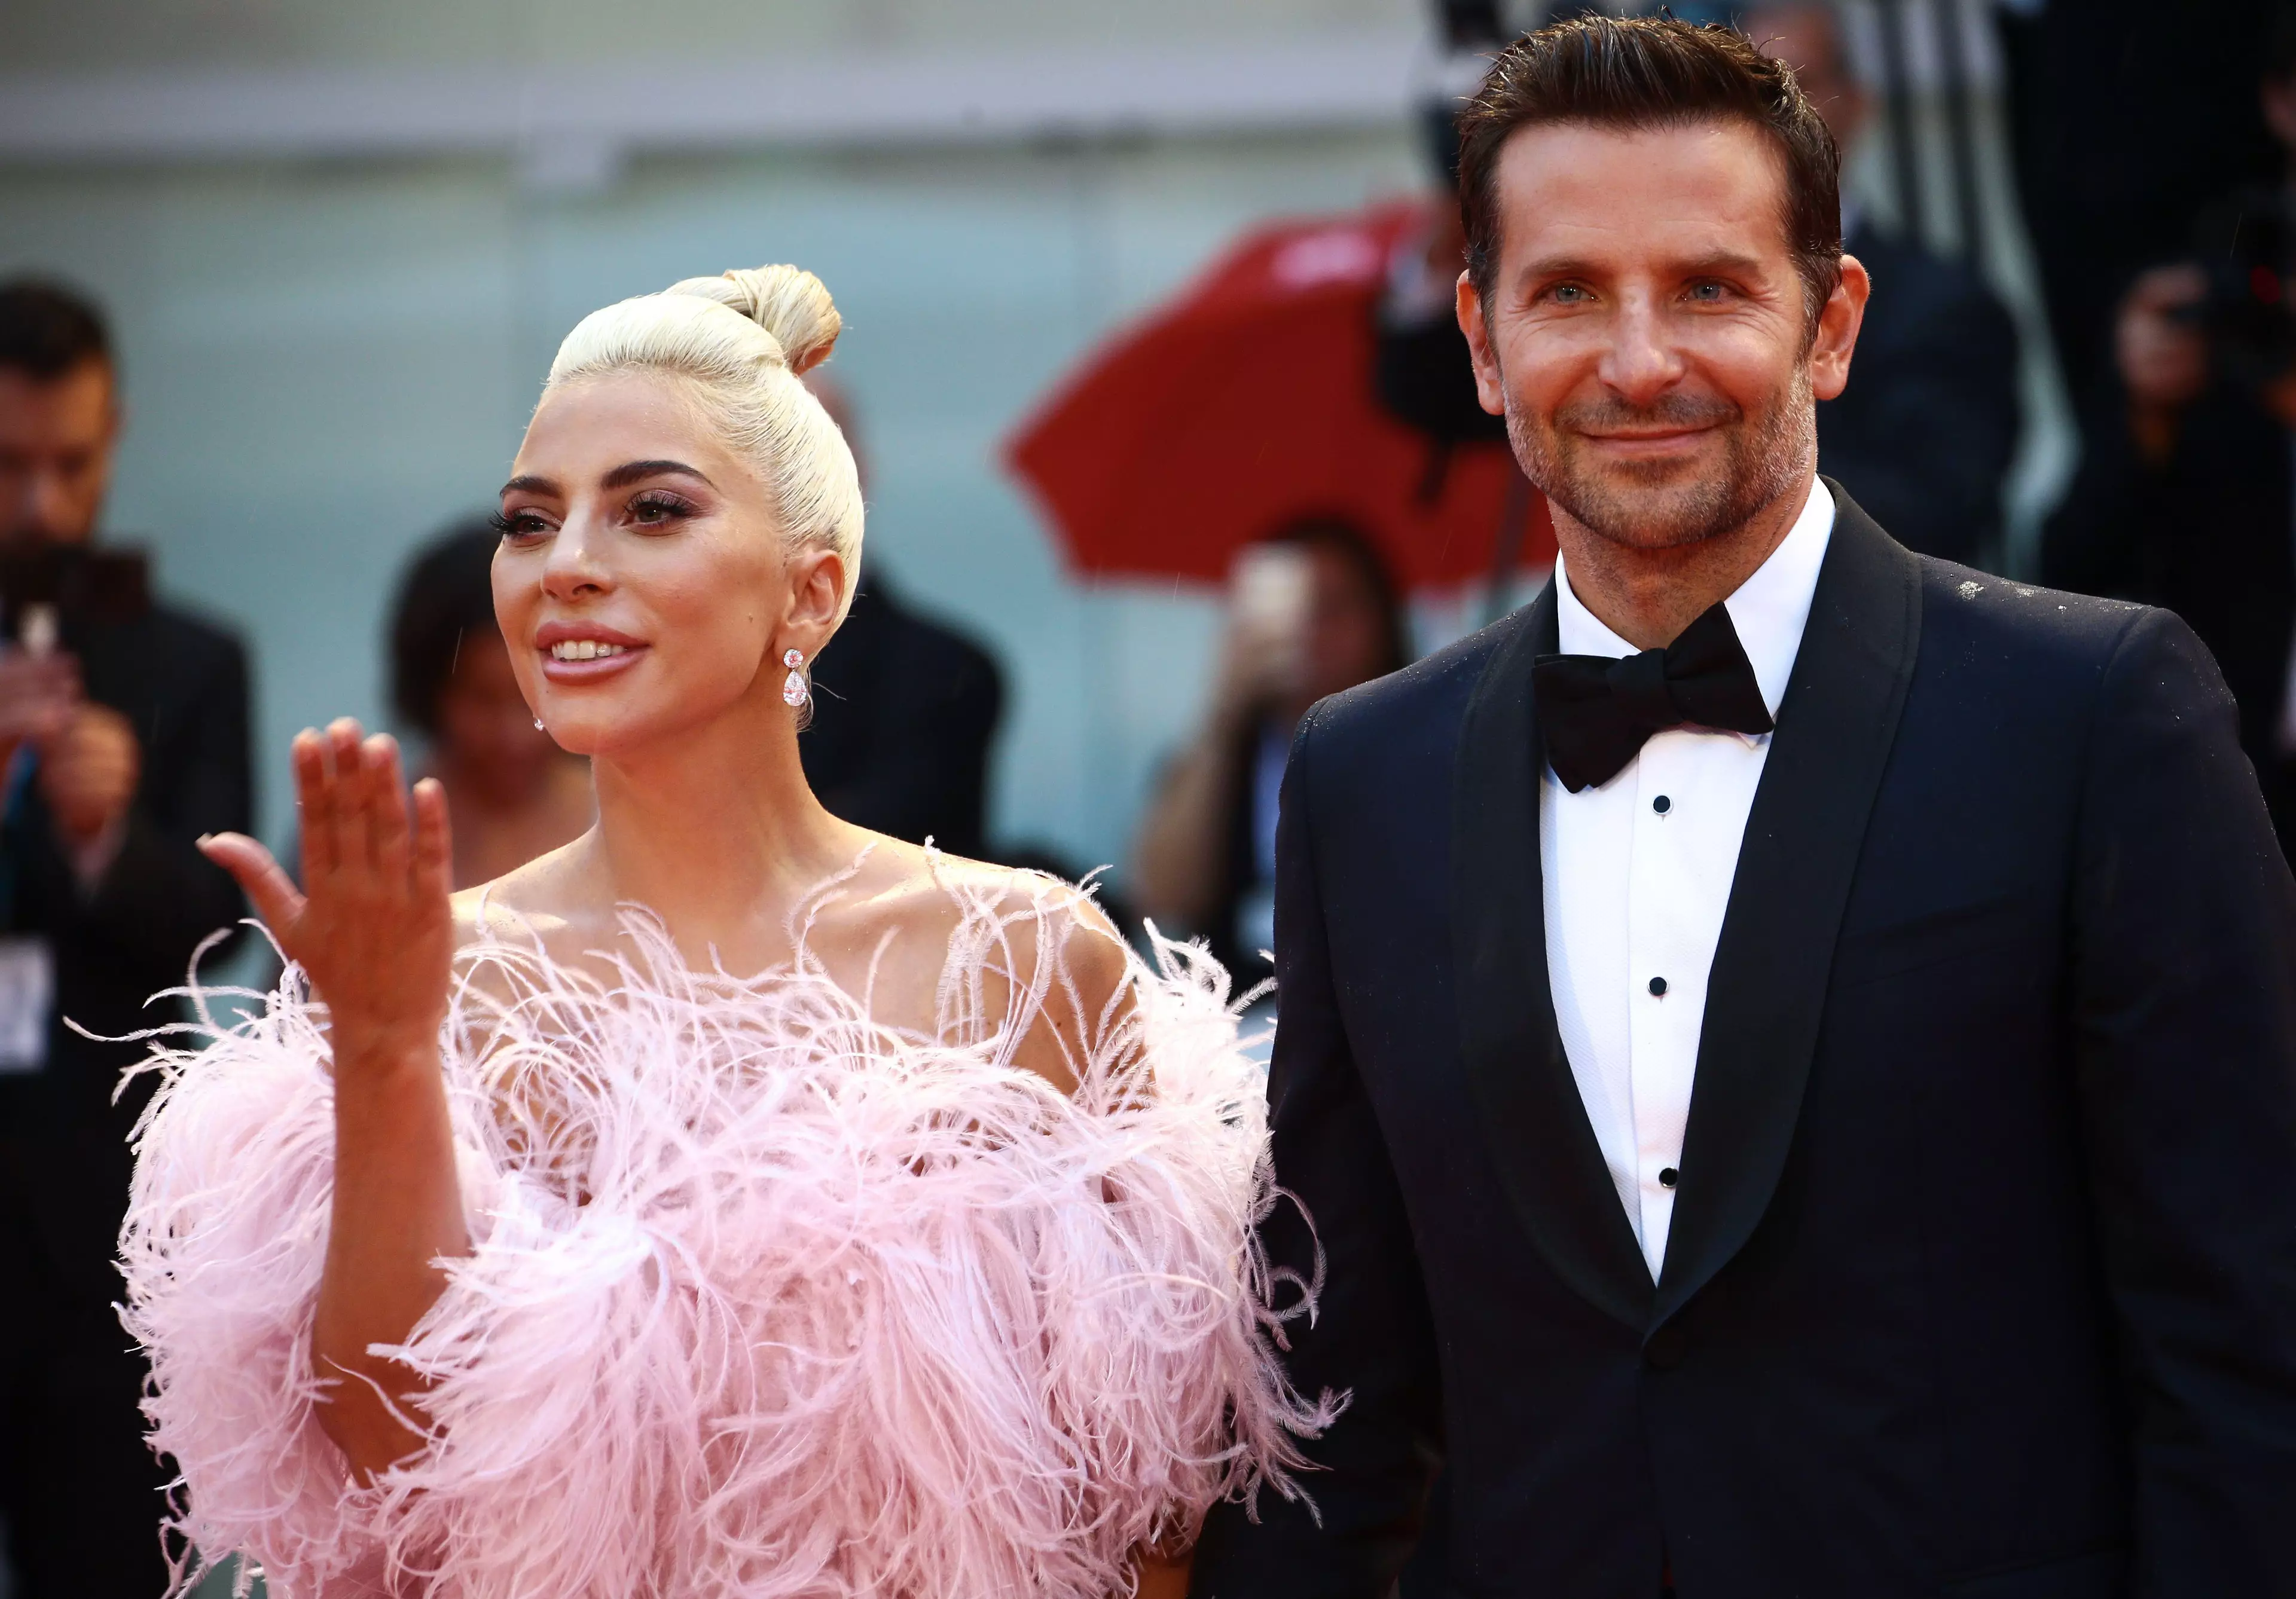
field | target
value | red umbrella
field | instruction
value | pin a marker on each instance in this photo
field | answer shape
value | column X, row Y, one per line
column 1249, row 400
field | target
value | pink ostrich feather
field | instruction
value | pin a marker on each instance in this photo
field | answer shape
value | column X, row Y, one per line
column 765, row 1299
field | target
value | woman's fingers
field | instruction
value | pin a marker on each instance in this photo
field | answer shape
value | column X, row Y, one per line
column 314, row 805
column 347, row 804
column 387, row 811
column 434, row 844
column 268, row 888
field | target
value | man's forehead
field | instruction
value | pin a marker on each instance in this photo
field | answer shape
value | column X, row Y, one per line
column 79, row 399
column 1700, row 187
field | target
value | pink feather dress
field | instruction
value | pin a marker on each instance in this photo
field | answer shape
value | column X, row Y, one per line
column 765, row 1298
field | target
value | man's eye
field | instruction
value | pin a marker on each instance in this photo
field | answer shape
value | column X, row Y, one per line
column 1568, row 294
column 1706, row 293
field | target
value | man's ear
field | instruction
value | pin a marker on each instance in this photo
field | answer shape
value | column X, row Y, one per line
column 1490, row 392
column 1836, row 338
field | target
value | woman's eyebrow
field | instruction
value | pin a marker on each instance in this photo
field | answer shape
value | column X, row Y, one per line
column 637, row 471
column 530, row 485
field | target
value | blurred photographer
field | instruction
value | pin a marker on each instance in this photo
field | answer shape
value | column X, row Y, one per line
column 123, row 738
column 1312, row 609
column 2186, row 494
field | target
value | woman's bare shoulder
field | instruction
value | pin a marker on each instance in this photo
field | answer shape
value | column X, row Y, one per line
column 913, row 914
column 940, row 897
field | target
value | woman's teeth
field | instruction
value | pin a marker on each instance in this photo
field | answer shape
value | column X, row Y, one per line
column 584, row 649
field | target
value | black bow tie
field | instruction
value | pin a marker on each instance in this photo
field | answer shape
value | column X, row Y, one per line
column 1596, row 712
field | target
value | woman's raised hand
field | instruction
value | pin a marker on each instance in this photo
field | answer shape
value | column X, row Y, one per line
column 371, row 924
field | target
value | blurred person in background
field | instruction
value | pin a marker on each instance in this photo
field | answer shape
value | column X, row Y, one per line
column 2124, row 116
column 515, row 793
column 1923, row 436
column 904, row 709
column 2187, row 492
column 123, row 734
column 1312, row 611
column 1423, row 373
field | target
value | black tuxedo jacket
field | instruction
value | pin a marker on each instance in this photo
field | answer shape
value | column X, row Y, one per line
column 64, row 1159
column 1981, row 1277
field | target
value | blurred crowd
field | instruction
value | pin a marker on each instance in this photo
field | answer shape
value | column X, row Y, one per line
column 2159, row 196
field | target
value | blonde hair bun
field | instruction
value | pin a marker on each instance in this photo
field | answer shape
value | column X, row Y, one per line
column 789, row 303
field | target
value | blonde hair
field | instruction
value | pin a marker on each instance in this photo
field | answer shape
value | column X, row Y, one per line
column 742, row 341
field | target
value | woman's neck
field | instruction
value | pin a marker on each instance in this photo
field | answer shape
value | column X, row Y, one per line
column 717, row 831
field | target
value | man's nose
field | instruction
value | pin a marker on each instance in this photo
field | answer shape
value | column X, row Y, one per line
column 48, row 508
column 37, row 504
column 1641, row 363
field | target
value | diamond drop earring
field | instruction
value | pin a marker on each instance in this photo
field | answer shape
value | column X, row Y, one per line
column 538, row 728
column 795, row 691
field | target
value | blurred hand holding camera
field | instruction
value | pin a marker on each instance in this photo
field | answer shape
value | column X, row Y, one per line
column 88, row 771
column 1263, row 656
column 38, row 696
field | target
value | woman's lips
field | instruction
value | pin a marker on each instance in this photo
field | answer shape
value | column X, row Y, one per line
column 570, row 661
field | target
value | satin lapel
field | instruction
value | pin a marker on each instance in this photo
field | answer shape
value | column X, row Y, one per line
column 1766, row 993
column 1540, row 1139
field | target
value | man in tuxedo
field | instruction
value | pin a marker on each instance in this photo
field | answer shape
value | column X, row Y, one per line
column 1789, row 1045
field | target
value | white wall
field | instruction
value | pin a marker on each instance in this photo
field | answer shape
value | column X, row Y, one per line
column 79, row 34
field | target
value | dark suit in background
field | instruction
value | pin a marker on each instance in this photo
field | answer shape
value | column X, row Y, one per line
column 81, row 1490
column 1924, row 433
column 903, row 711
column 1981, row 1278
column 2210, row 534
column 2123, row 115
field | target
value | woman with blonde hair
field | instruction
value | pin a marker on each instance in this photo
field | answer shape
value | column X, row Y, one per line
column 733, row 1200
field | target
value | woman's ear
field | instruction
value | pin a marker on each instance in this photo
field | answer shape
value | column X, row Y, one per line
column 818, row 586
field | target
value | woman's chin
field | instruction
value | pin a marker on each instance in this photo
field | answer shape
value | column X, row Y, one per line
column 586, row 731
column 608, row 731
column 603, row 723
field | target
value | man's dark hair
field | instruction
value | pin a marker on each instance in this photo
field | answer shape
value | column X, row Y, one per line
column 1642, row 73
column 447, row 594
column 46, row 330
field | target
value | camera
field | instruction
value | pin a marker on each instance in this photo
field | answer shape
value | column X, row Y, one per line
column 2244, row 252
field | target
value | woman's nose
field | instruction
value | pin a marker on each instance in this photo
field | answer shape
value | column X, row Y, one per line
column 572, row 568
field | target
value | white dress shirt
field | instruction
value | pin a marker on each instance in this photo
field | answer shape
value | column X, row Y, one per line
column 1637, row 876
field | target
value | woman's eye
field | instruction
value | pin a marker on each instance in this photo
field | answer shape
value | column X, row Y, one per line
column 659, row 510
column 519, row 524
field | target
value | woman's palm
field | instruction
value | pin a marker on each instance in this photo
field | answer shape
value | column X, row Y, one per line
column 372, row 924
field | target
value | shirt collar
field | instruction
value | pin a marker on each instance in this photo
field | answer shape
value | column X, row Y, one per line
column 1769, row 611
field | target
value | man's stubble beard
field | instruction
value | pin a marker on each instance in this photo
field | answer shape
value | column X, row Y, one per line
column 1763, row 459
